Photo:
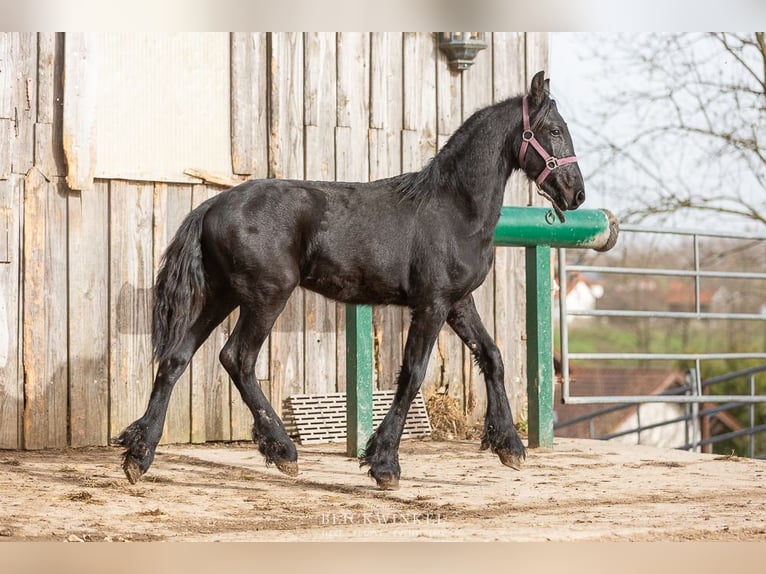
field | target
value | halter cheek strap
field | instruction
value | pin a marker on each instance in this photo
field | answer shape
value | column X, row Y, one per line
column 528, row 138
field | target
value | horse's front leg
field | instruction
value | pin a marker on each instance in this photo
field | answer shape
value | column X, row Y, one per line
column 499, row 433
column 382, row 451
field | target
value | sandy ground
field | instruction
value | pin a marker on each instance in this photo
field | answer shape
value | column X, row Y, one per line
column 579, row 490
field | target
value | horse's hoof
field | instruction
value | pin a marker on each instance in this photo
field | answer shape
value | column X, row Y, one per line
column 387, row 482
column 289, row 467
column 510, row 459
column 132, row 469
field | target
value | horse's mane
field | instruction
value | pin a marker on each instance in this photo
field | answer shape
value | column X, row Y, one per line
column 441, row 173
column 420, row 186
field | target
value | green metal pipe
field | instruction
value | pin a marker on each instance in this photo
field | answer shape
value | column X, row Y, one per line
column 359, row 375
column 532, row 226
column 539, row 346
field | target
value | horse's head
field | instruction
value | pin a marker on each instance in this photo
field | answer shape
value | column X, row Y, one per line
column 546, row 152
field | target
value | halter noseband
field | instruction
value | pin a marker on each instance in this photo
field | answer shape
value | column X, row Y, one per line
column 528, row 138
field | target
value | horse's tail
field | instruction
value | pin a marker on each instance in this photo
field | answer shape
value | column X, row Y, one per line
column 181, row 288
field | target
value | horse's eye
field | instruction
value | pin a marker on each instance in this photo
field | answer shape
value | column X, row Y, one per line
column 555, row 132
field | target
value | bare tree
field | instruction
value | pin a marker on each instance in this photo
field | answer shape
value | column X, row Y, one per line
column 686, row 131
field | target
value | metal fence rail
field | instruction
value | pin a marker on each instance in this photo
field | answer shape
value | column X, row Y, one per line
column 693, row 396
column 688, row 418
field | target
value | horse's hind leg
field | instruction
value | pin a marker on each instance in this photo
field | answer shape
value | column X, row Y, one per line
column 238, row 358
column 140, row 439
column 499, row 433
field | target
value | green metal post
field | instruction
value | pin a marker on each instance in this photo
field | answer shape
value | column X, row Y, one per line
column 539, row 346
column 358, row 378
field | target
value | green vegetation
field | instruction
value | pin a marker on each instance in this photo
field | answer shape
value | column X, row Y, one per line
column 665, row 336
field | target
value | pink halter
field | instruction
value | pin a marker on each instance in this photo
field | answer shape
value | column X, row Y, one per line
column 528, row 138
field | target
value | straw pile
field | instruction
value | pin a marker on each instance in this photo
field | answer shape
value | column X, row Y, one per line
column 447, row 419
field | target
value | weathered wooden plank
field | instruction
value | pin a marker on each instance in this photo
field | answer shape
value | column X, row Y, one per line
column 286, row 145
column 420, row 82
column 320, row 109
column 286, row 105
column 7, row 74
column 510, row 304
column 210, row 384
column 171, row 203
column 49, row 56
column 287, row 351
column 45, row 313
column 386, row 160
column 449, row 348
column 351, row 138
column 449, row 96
column 419, row 92
column 25, row 105
column 130, row 283
column 89, row 305
column 249, row 103
column 351, row 143
column 11, row 380
column 386, row 80
column 49, row 155
column 11, row 209
column 320, row 75
column 7, row 101
column 211, row 178
column 18, row 85
column 6, row 135
column 419, row 132
column 418, row 146
column 80, row 110
column 478, row 93
column 6, row 216
column 49, row 152
column 353, row 79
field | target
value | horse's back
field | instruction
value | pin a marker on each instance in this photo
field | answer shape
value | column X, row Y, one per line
column 352, row 242
column 341, row 239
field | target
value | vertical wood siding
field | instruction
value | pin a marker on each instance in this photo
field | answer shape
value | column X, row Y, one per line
column 77, row 267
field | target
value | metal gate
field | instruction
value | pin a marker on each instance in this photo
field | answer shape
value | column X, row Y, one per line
column 695, row 392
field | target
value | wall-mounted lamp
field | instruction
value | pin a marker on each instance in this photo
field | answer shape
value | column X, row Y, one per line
column 461, row 47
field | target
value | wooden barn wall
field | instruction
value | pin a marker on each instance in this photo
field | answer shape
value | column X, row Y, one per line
column 76, row 267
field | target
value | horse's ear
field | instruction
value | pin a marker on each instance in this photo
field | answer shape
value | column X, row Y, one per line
column 537, row 89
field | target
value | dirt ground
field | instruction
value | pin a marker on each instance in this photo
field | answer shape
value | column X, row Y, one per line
column 579, row 490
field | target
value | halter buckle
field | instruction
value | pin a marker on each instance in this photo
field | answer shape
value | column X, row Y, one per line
column 527, row 135
column 552, row 163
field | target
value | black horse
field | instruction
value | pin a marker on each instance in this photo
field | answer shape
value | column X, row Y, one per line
column 423, row 240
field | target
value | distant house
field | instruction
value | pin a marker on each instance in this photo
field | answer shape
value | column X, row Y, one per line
column 582, row 294
column 628, row 424
column 610, row 420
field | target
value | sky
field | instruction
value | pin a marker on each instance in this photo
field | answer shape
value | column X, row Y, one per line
column 577, row 82
column 572, row 85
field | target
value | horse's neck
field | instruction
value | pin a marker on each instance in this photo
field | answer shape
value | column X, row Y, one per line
column 482, row 180
column 481, row 162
